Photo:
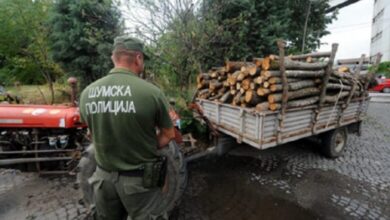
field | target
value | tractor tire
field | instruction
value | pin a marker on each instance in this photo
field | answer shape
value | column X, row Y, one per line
column 386, row 90
column 86, row 168
column 176, row 174
column 334, row 142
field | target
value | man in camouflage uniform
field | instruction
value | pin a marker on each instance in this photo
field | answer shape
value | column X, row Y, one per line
column 122, row 112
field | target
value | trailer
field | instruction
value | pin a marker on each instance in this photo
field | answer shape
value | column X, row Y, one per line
column 263, row 130
column 330, row 122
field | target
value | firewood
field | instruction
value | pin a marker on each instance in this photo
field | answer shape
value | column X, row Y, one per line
column 338, row 86
column 226, row 97
column 262, row 106
column 273, row 98
column 334, row 98
column 277, row 80
column 258, row 61
column 294, row 73
column 252, row 98
column 296, row 103
column 259, row 80
column 237, row 98
column 246, row 84
column 234, row 66
column 266, row 84
column 294, row 86
column 242, row 75
column 214, row 85
column 263, row 92
column 201, row 77
column 253, row 86
column 222, row 78
column 232, row 79
column 203, row 84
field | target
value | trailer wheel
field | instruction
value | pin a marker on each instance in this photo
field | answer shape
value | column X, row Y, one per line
column 177, row 177
column 386, row 90
column 334, row 142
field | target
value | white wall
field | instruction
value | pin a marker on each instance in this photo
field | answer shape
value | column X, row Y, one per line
column 380, row 33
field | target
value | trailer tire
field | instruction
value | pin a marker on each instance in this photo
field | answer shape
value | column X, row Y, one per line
column 334, row 142
column 176, row 174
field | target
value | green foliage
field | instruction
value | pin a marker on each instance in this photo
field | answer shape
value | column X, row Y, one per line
column 252, row 27
column 82, row 33
column 384, row 69
column 191, row 38
column 23, row 42
column 191, row 125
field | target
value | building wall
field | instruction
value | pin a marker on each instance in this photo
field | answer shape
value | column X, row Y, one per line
column 380, row 34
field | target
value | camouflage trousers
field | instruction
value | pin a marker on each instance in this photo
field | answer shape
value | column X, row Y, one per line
column 118, row 197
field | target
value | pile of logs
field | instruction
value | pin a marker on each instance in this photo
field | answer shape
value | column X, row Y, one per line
column 259, row 84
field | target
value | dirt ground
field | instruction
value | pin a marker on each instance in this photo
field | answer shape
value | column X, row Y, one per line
column 287, row 182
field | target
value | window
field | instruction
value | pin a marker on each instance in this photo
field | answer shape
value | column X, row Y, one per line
column 378, row 15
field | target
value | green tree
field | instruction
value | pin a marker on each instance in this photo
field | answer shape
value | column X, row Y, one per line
column 24, row 52
column 384, row 69
column 188, row 36
column 82, row 34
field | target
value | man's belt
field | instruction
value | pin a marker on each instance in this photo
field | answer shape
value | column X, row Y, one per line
column 130, row 173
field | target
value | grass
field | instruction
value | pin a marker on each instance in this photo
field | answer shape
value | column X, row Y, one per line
column 40, row 94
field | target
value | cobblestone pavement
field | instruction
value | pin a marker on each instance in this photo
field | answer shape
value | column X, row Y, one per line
column 28, row 196
column 287, row 182
column 274, row 183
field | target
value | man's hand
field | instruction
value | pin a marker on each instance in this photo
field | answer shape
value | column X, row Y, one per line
column 165, row 136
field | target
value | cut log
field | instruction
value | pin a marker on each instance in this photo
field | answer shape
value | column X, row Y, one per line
column 259, row 80
column 215, row 97
column 278, row 80
column 258, row 61
column 246, row 84
column 253, row 86
column 253, row 70
column 222, row 78
column 296, row 65
column 215, row 85
column 237, row 98
column 232, row 79
column 234, row 66
column 201, row 77
column 203, row 84
column 262, row 106
column 252, row 98
column 305, row 56
column 296, row 103
column 335, row 98
column 226, row 97
column 294, row 73
column 273, row 98
column 242, row 75
column 266, row 84
column 338, row 86
column 214, row 75
column 294, row 86
column 263, row 92
column 269, row 64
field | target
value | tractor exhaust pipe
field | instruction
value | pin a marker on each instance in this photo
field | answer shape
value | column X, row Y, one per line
column 73, row 85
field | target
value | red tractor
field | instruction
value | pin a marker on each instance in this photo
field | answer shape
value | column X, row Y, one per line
column 47, row 136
